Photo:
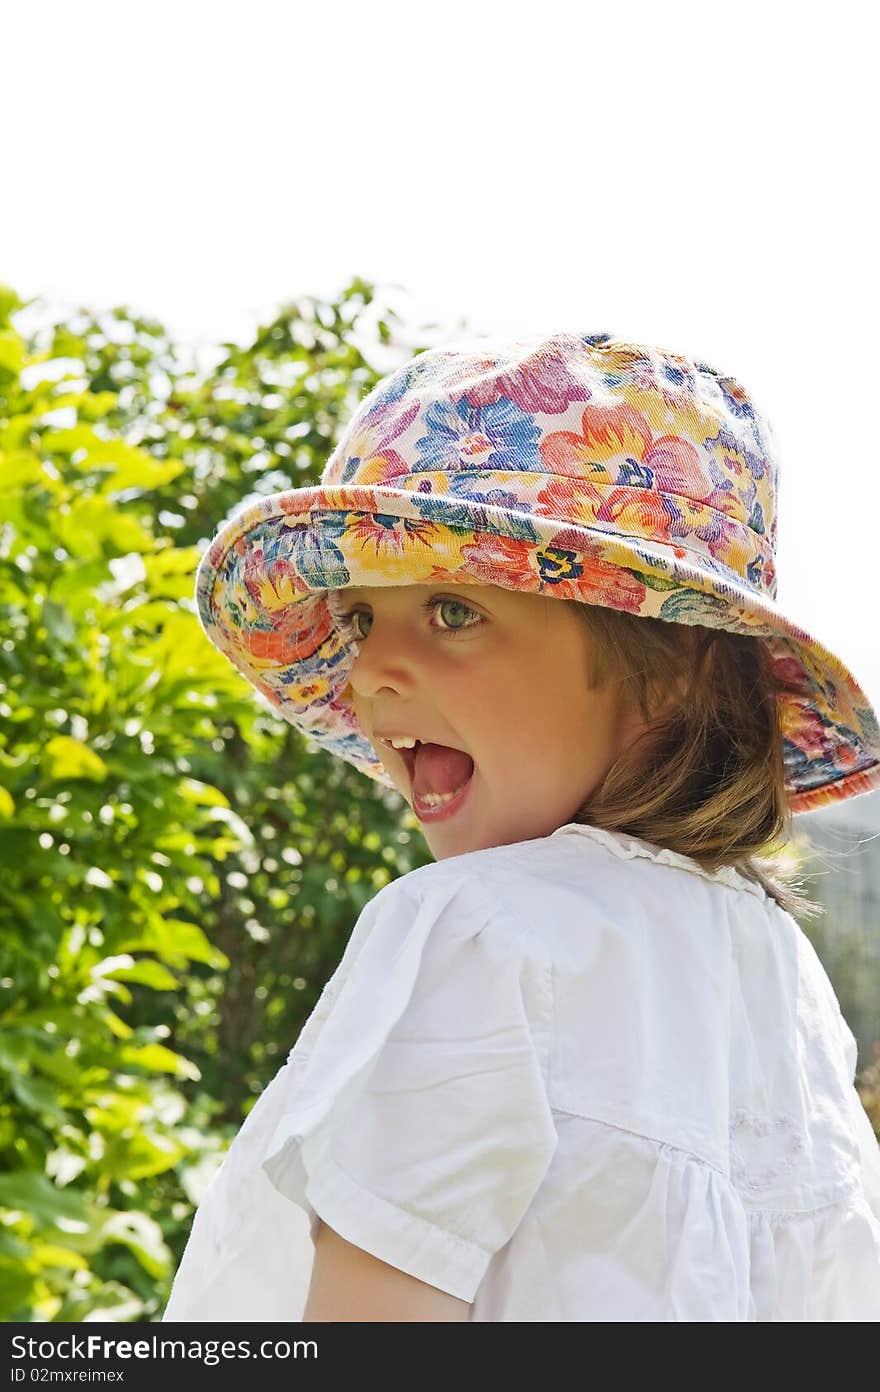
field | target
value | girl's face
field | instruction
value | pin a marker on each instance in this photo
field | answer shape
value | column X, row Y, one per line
column 499, row 674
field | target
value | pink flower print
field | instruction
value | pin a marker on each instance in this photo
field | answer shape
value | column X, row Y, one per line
column 376, row 534
column 497, row 560
column 252, row 571
column 804, row 727
column 789, row 674
column 722, row 534
column 365, row 454
column 544, row 381
column 677, row 468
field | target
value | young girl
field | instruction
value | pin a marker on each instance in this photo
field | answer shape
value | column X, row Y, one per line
column 585, row 1065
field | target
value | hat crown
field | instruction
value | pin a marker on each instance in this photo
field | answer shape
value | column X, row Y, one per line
column 586, row 430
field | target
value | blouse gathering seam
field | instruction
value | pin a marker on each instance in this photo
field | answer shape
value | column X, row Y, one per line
column 688, row 1153
column 851, row 1191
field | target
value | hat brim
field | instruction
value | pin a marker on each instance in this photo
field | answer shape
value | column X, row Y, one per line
column 261, row 599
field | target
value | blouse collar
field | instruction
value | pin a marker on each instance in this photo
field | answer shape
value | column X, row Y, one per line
column 622, row 844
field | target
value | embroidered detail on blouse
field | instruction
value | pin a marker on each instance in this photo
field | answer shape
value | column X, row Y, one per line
column 762, row 1148
column 622, row 844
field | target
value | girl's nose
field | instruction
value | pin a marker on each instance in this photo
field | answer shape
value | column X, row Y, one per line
column 382, row 662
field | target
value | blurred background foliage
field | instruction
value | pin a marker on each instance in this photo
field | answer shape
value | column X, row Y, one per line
column 179, row 869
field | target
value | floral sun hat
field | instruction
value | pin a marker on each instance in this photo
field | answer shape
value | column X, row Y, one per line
column 574, row 466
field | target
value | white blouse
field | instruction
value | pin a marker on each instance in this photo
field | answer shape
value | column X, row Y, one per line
column 573, row 1078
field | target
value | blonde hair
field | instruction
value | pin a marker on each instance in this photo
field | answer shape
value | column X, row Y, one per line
column 706, row 779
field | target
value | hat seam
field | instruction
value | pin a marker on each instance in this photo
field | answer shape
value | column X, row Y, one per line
column 725, row 576
column 763, row 550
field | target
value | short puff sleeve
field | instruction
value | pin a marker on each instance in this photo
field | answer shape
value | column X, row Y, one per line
column 420, row 1128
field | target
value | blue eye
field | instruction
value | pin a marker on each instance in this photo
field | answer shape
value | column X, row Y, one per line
column 346, row 622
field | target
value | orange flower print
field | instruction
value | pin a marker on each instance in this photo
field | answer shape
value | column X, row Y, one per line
column 611, row 585
column 564, row 572
column 610, row 435
column 616, row 445
column 620, row 509
column 284, row 644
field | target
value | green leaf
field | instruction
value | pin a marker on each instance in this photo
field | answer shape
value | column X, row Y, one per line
column 126, row 465
column 11, row 1247
column 35, row 1194
column 65, row 757
column 141, row 1155
column 37, row 1094
column 157, row 1059
column 143, row 1236
column 656, row 582
column 94, row 527
column 178, row 943
column 148, row 973
column 53, row 1254
column 234, row 822
column 10, row 302
column 12, row 355
column 202, row 794
column 18, row 467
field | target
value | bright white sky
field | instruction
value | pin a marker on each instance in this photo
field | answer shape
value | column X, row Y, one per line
column 700, row 176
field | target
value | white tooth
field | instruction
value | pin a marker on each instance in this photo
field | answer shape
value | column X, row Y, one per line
column 437, row 799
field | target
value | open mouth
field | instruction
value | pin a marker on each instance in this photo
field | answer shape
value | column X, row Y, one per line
column 439, row 774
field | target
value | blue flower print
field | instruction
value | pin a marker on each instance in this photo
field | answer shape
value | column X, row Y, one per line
column 754, row 571
column 469, row 517
column 298, row 674
column 555, row 564
column 315, row 554
column 465, row 485
column 350, row 469
column 390, row 391
column 496, row 436
column 635, row 474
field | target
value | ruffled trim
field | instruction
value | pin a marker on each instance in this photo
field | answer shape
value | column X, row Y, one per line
column 628, row 847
